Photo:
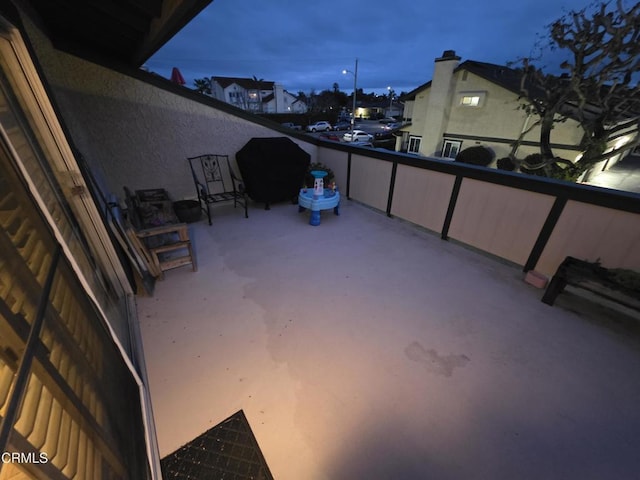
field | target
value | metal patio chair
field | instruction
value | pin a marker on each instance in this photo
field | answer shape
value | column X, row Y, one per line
column 216, row 182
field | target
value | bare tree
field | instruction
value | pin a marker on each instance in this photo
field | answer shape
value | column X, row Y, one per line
column 599, row 87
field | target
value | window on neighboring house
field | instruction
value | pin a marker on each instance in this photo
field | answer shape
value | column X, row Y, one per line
column 450, row 148
column 235, row 97
column 470, row 100
column 414, row 144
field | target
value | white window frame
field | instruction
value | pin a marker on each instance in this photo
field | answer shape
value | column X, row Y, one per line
column 34, row 98
column 470, row 100
column 448, row 145
column 414, row 144
column 475, row 99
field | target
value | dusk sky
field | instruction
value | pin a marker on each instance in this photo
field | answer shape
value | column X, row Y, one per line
column 305, row 45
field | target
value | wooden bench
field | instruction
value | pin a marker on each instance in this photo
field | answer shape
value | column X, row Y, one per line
column 591, row 277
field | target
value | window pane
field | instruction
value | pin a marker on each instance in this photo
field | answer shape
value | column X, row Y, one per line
column 471, row 101
column 24, row 134
column 451, row 148
column 81, row 405
column 414, row 144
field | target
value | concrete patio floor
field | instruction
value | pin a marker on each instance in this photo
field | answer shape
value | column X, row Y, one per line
column 365, row 348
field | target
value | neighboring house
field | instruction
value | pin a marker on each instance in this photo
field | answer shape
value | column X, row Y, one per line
column 80, row 120
column 476, row 103
column 366, row 110
column 256, row 96
column 282, row 103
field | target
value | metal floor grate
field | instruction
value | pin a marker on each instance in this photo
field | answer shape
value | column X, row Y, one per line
column 227, row 451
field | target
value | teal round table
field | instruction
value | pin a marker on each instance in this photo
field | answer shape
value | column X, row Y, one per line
column 328, row 200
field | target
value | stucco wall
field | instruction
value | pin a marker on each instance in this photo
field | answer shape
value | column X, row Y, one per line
column 498, row 117
column 418, row 115
column 133, row 133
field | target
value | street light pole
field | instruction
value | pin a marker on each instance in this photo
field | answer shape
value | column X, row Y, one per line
column 355, row 89
column 390, row 100
column 355, row 86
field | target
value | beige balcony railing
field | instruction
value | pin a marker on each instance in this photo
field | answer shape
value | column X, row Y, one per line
column 532, row 222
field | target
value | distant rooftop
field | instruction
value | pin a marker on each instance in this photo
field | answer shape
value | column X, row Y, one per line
column 247, row 83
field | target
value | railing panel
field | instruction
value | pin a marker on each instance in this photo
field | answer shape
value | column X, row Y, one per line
column 422, row 196
column 337, row 161
column 591, row 232
column 501, row 220
column 370, row 180
column 511, row 216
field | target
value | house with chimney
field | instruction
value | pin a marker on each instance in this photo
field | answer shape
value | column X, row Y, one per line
column 473, row 103
column 94, row 383
column 256, row 96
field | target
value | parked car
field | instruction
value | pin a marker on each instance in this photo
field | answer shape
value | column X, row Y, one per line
column 342, row 126
column 319, row 127
column 357, row 136
column 330, row 136
column 292, row 126
column 384, row 134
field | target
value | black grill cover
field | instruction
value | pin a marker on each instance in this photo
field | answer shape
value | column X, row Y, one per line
column 272, row 169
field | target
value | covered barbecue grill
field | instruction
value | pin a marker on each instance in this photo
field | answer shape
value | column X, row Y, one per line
column 272, row 169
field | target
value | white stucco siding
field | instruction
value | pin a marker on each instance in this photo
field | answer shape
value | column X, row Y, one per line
column 496, row 122
column 142, row 136
column 407, row 112
column 498, row 115
column 217, row 91
column 418, row 113
column 135, row 134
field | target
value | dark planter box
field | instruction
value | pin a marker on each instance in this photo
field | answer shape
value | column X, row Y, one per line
column 187, row 211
